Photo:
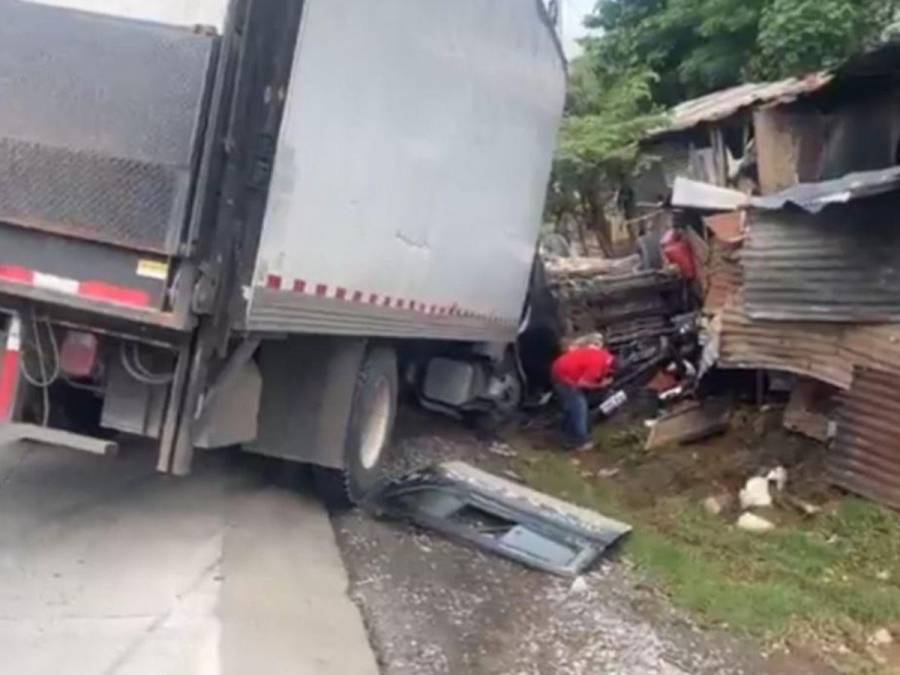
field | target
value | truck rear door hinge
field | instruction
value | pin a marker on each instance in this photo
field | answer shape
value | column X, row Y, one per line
column 205, row 289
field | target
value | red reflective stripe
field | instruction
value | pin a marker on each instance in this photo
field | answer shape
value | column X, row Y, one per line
column 343, row 294
column 9, row 377
column 100, row 290
column 19, row 275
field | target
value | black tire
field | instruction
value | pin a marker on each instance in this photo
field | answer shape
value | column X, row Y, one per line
column 650, row 250
column 371, row 424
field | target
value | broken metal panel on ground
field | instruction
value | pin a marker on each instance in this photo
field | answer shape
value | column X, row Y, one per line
column 692, row 422
column 866, row 456
column 840, row 265
column 502, row 517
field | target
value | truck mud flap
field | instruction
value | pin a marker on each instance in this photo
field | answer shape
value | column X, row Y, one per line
column 499, row 516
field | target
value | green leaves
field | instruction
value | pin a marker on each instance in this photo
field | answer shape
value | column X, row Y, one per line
column 698, row 46
column 797, row 36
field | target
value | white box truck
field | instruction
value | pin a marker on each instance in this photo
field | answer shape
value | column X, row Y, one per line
column 255, row 222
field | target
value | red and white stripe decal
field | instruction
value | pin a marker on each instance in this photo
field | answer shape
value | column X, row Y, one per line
column 278, row 283
column 92, row 289
column 9, row 369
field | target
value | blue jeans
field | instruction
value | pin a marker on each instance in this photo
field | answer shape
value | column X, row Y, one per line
column 575, row 423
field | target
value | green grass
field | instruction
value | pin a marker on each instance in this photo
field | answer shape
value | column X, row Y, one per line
column 819, row 581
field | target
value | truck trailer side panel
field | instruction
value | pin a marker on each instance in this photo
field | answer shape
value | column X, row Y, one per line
column 410, row 172
column 175, row 12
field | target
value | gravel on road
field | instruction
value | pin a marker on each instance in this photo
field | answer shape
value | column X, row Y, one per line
column 433, row 606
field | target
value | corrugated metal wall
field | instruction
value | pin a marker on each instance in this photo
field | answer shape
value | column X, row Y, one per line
column 824, row 351
column 841, row 265
column 813, row 350
column 866, row 456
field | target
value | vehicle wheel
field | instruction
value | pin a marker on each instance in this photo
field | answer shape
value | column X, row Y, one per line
column 371, row 423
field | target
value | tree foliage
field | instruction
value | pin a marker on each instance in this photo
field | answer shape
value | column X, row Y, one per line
column 608, row 114
column 697, row 46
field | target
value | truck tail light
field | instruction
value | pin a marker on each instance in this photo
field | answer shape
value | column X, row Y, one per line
column 78, row 354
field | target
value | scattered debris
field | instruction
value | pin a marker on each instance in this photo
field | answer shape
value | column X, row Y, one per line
column 502, row 450
column 613, row 403
column 778, row 477
column 498, row 515
column 718, row 504
column 513, row 476
column 609, row 473
column 801, row 505
column 579, row 586
column 755, row 494
column 750, row 522
column 809, row 409
column 692, row 422
column 881, row 637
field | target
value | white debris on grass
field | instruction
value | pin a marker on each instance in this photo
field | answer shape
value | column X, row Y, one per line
column 881, row 637
column 750, row 522
column 717, row 504
column 778, row 477
column 755, row 494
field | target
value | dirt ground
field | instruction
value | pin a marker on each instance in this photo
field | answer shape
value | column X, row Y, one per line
column 435, row 607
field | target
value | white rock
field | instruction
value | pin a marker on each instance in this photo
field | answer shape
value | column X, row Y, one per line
column 716, row 504
column 881, row 637
column 756, row 494
column 578, row 586
column 778, row 476
column 750, row 522
column 883, row 575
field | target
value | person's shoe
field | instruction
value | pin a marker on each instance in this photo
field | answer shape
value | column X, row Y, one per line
column 585, row 447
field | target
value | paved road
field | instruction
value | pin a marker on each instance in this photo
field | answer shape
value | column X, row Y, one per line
column 107, row 568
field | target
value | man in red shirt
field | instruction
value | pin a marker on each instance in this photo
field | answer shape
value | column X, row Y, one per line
column 577, row 370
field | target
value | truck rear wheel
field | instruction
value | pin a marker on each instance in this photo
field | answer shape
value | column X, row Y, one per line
column 369, row 432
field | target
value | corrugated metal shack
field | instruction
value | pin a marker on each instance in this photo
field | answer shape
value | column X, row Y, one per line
column 806, row 279
column 768, row 136
column 821, row 299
